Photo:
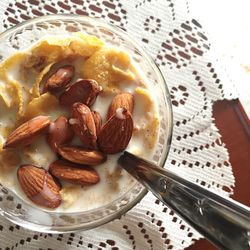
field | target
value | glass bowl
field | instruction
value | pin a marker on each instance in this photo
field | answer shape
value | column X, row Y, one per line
column 21, row 37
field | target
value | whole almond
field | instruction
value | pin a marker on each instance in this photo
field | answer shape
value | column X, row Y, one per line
column 82, row 156
column 122, row 100
column 60, row 133
column 84, row 91
column 60, row 79
column 27, row 132
column 98, row 121
column 39, row 186
column 83, row 124
column 116, row 132
column 74, row 173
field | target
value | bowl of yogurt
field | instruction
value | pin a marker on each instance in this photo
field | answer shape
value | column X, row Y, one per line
column 75, row 92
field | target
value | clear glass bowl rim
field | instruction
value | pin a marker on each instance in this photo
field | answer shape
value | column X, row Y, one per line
column 150, row 61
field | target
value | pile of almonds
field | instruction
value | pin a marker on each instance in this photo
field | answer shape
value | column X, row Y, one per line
column 75, row 163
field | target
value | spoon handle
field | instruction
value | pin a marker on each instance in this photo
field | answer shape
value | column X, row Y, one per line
column 224, row 222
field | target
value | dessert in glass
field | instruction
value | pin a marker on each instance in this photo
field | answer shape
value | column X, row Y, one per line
column 71, row 103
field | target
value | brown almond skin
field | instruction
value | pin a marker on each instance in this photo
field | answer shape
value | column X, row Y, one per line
column 122, row 100
column 84, row 124
column 28, row 132
column 98, row 121
column 39, row 186
column 84, row 91
column 82, row 156
column 74, row 173
column 60, row 79
column 116, row 133
column 60, row 133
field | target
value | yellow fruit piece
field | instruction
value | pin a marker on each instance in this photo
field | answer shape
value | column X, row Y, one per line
column 70, row 194
column 109, row 67
column 85, row 45
column 57, row 41
column 150, row 132
column 35, row 90
column 149, row 123
column 57, row 48
column 10, row 90
column 51, row 50
column 41, row 105
column 5, row 95
column 18, row 97
column 145, row 98
column 13, row 60
column 12, row 95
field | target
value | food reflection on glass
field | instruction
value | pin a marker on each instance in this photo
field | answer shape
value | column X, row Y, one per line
column 69, row 106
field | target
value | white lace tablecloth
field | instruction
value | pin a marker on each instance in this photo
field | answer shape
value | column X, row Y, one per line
column 181, row 47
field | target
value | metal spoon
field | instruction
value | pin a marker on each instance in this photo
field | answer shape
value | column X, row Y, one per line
column 226, row 223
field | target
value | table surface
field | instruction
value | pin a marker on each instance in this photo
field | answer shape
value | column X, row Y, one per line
column 234, row 126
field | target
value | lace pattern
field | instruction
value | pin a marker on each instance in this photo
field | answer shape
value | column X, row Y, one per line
column 181, row 48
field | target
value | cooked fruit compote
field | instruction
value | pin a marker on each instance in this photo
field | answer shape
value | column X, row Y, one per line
column 69, row 106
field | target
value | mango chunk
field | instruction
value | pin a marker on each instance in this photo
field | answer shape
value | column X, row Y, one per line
column 85, row 45
column 70, row 194
column 41, row 105
column 109, row 67
column 148, row 124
